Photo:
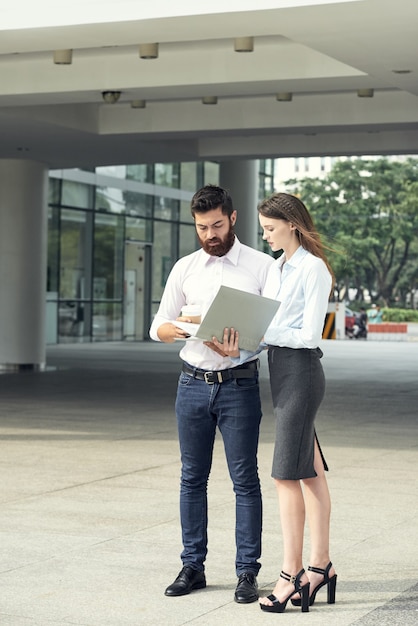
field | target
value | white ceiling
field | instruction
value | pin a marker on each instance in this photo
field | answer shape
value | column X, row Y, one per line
column 321, row 52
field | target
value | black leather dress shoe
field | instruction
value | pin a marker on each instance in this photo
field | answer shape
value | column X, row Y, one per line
column 247, row 588
column 187, row 580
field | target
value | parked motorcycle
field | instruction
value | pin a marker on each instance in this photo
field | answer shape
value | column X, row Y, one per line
column 357, row 332
column 359, row 328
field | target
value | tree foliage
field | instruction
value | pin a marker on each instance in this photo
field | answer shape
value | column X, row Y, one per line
column 367, row 212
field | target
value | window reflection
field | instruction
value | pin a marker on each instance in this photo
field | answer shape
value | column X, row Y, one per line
column 109, row 199
column 108, row 257
column 54, row 191
column 138, row 229
column 117, row 171
column 138, row 203
column 74, row 252
column 211, row 173
column 53, row 250
column 166, row 208
column 167, row 174
column 140, row 173
column 188, row 240
column 75, row 194
column 164, row 255
column 107, row 321
column 114, row 200
column 74, row 321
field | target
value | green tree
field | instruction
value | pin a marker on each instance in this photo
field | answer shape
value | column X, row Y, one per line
column 367, row 211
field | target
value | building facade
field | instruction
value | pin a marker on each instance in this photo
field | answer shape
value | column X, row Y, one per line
column 113, row 236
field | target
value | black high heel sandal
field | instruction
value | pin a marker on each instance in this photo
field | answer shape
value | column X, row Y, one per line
column 330, row 582
column 279, row 607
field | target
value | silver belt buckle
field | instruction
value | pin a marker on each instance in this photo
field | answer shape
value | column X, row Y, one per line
column 206, row 377
column 213, row 374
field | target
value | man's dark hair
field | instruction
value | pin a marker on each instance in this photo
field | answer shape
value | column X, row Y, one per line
column 211, row 197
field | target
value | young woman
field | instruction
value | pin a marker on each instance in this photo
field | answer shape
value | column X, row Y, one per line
column 301, row 279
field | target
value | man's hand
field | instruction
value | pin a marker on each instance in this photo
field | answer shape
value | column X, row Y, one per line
column 168, row 333
column 229, row 345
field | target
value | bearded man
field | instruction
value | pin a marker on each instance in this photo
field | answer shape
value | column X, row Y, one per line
column 212, row 394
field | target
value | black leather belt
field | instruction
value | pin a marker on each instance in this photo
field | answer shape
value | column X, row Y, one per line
column 241, row 371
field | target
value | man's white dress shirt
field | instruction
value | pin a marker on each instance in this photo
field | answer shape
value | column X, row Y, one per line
column 195, row 279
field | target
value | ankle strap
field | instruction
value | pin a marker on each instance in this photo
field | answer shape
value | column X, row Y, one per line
column 318, row 570
column 295, row 580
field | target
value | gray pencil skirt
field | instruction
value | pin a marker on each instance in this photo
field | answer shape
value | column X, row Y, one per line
column 297, row 384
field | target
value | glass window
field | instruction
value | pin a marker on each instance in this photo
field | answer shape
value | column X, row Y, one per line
column 267, row 166
column 117, row 171
column 188, row 176
column 114, row 200
column 200, row 167
column 164, row 255
column 266, row 179
column 74, row 321
column 53, row 250
column 108, row 257
column 138, row 229
column 211, row 173
column 140, row 173
column 107, row 321
column 188, row 240
column 167, row 174
column 185, row 213
column 138, row 203
column 54, row 191
column 109, row 199
column 74, row 253
column 166, row 209
column 77, row 194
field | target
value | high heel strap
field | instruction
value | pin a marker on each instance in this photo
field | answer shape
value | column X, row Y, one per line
column 319, row 570
column 331, row 583
column 295, row 580
column 303, row 590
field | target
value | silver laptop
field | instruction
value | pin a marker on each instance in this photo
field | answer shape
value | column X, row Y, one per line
column 249, row 313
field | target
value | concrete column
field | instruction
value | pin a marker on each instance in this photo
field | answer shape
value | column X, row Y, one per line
column 23, row 251
column 240, row 178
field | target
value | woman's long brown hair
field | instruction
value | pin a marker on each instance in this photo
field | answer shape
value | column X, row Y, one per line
column 284, row 206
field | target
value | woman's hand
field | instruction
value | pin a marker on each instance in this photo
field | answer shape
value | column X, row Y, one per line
column 229, row 346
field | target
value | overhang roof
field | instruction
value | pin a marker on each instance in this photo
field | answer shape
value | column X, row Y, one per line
column 320, row 52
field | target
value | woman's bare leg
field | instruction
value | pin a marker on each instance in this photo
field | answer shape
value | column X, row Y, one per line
column 318, row 508
column 292, row 517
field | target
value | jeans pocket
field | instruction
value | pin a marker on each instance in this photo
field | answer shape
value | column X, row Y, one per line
column 184, row 379
column 246, row 383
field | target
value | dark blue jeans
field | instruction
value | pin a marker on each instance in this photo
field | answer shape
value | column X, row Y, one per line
column 234, row 407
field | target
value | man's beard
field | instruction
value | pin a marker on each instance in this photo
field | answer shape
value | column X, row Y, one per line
column 222, row 245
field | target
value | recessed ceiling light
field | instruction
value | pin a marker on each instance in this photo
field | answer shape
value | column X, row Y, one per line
column 148, row 50
column 63, row 57
column 365, row 93
column 244, row 44
column 285, row 96
column 110, row 97
column 210, row 100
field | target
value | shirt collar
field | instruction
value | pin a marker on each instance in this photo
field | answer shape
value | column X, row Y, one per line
column 296, row 258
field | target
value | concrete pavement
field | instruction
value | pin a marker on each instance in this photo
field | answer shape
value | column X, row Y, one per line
column 89, row 530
